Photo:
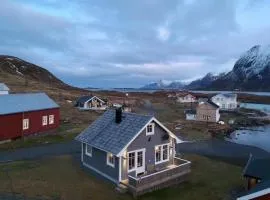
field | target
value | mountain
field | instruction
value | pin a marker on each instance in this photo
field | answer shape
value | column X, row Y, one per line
column 162, row 84
column 23, row 76
column 251, row 72
column 203, row 82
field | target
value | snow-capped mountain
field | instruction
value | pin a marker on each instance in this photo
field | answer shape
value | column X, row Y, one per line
column 203, row 82
column 163, row 84
column 250, row 72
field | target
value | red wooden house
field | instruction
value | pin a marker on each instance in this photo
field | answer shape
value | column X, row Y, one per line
column 26, row 114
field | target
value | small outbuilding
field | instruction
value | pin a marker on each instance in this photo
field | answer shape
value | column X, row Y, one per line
column 190, row 114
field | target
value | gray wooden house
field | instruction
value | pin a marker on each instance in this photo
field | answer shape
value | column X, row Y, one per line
column 132, row 150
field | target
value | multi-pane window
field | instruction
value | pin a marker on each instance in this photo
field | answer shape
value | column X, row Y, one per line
column 44, row 120
column 110, row 159
column 161, row 153
column 131, row 160
column 88, row 150
column 51, row 119
column 140, row 159
column 150, row 129
column 25, row 124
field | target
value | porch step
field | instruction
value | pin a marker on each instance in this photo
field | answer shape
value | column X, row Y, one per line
column 121, row 188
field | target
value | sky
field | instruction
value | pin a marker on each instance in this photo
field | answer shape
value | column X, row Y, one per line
column 129, row 43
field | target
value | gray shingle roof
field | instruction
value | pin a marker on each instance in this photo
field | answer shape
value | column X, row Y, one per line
column 84, row 99
column 16, row 103
column 109, row 136
column 3, row 87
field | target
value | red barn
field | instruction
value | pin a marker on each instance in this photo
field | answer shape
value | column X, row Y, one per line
column 26, row 114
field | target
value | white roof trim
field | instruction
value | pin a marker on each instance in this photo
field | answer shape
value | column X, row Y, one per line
column 255, row 194
column 137, row 134
column 96, row 98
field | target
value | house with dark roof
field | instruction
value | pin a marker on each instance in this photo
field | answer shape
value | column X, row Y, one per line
column 90, row 103
column 26, row 114
column 132, row 151
column 4, row 89
column 207, row 111
column 226, row 101
column 256, row 172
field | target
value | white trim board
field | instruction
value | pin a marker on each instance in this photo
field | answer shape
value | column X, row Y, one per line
column 93, row 98
column 255, row 194
column 160, row 124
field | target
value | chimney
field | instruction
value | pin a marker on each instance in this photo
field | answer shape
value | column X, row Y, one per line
column 118, row 115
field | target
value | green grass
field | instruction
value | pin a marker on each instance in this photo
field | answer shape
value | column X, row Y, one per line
column 61, row 178
column 65, row 132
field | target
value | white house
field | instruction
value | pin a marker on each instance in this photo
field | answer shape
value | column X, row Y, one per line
column 225, row 101
column 90, row 103
column 4, row 89
column 185, row 98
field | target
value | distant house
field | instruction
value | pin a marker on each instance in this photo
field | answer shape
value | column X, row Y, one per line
column 225, row 101
column 208, row 112
column 4, row 89
column 190, row 114
column 185, row 98
column 257, row 175
column 133, row 151
column 90, row 103
column 26, row 114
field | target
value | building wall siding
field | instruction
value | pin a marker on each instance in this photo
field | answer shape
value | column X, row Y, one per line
column 207, row 110
column 99, row 162
column 149, row 143
column 11, row 125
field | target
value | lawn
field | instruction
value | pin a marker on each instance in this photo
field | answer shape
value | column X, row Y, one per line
column 63, row 178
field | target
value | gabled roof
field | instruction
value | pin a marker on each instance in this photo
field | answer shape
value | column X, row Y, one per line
column 113, row 137
column 3, row 87
column 84, row 99
column 257, row 168
column 184, row 94
column 16, row 103
column 209, row 102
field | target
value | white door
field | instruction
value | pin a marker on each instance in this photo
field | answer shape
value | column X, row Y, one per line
column 140, row 162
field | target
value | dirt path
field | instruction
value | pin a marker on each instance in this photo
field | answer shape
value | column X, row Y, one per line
column 72, row 147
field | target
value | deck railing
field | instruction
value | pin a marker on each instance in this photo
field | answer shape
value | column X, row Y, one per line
column 179, row 168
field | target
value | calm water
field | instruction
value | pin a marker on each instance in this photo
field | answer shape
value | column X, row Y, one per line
column 197, row 91
column 262, row 107
column 257, row 136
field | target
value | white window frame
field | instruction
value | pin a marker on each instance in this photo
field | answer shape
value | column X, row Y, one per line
column 44, row 120
column 51, row 119
column 153, row 129
column 88, row 150
column 25, row 124
column 108, row 160
column 161, row 153
column 135, row 159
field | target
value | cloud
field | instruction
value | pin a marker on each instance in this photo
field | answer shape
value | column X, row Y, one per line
column 130, row 43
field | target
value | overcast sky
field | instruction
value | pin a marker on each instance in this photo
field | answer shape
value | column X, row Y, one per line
column 128, row 43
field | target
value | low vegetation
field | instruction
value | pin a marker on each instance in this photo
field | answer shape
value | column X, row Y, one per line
column 63, row 178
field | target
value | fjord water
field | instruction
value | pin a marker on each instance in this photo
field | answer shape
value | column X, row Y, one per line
column 256, row 136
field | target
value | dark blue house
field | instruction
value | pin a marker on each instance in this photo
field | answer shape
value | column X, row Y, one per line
column 132, row 150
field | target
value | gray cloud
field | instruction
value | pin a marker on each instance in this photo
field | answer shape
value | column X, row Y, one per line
column 129, row 43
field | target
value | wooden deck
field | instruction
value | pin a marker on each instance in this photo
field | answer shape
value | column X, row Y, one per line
column 173, row 174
